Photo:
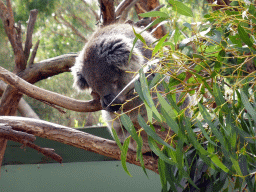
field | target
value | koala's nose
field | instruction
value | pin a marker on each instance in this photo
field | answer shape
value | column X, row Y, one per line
column 108, row 103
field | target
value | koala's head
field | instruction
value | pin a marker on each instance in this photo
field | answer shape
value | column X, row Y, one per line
column 103, row 67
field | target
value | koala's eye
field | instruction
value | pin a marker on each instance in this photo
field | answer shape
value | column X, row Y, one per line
column 115, row 84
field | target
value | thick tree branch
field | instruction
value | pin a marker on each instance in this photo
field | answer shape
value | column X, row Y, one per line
column 23, row 107
column 75, row 138
column 10, row 134
column 107, row 11
column 6, row 15
column 44, row 95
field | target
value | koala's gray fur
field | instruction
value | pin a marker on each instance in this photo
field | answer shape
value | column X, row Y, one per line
column 103, row 67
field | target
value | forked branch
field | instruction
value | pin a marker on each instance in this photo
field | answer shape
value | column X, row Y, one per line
column 75, row 138
column 44, row 95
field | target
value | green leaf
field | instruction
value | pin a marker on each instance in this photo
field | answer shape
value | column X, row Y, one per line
column 181, row 8
column 218, row 163
column 175, row 80
column 154, row 14
column 170, row 121
column 139, row 37
column 128, row 125
column 140, row 155
column 167, row 107
column 155, row 22
column 138, row 89
column 124, row 155
column 244, row 36
column 236, row 40
column 117, row 139
column 133, row 45
column 152, row 133
column 235, row 165
column 248, row 106
column 148, row 99
column 244, row 168
column 204, row 132
column 161, row 169
column 219, row 99
column 159, row 45
column 155, row 80
column 176, row 35
column 207, row 118
column 158, row 152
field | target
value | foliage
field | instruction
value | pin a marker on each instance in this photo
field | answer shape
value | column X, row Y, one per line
column 214, row 149
column 55, row 39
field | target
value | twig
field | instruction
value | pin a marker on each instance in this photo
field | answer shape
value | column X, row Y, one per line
column 65, row 22
column 33, row 55
column 54, row 106
column 45, row 151
column 83, row 22
column 92, row 10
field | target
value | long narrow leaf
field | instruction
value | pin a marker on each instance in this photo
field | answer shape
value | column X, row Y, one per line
column 158, row 152
column 154, row 14
column 124, row 155
column 207, row 118
column 151, row 133
column 248, row 106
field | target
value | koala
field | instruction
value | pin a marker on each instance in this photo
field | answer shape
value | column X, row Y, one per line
column 103, row 66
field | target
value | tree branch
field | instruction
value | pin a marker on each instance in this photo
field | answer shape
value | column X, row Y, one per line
column 23, row 107
column 44, row 95
column 92, row 10
column 123, row 8
column 30, row 29
column 6, row 15
column 33, row 55
column 65, row 22
column 83, row 22
column 107, row 9
column 75, row 138
column 26, row 139
column 49, row 67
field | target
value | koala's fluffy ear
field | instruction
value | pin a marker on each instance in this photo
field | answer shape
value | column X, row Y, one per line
column 80, row 82
column 77, row 71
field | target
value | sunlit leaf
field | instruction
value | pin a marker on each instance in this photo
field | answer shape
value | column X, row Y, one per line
column 181, row 8
column 159, row 45
column 154, row 14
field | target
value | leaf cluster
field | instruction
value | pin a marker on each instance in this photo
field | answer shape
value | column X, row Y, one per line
column 214, row 61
